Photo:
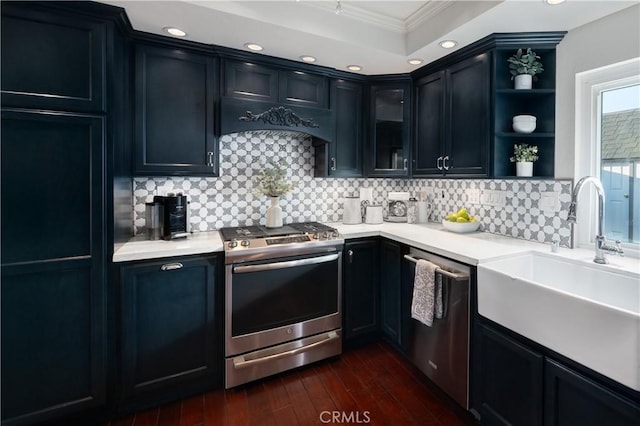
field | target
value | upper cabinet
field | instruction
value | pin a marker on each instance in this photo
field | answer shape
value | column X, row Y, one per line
column 343, row 156
column 539, row 101
column 175, row 92
column 390, row 136
column 255, row 82
column 259, row 97
column 452, row 120
column 52, row 60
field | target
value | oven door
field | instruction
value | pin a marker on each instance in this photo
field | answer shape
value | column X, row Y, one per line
column 274, row 301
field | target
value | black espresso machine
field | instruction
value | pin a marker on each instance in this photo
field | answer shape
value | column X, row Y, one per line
column 167, row 217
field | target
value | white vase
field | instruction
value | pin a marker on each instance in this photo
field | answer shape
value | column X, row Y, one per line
column 524, row 168
column 523, row 81
column 274, row 213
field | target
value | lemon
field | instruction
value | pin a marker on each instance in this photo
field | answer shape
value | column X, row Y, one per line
column 463, row 213
column 462, row 219
column 452, row 217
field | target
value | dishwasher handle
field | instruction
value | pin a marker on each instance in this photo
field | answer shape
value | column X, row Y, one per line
column 457, row 276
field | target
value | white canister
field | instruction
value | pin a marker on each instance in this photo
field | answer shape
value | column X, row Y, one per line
column 374, row 214
column 424, row 208
column 352, row 214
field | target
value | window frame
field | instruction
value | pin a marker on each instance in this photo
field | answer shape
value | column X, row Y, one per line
column 589, row 86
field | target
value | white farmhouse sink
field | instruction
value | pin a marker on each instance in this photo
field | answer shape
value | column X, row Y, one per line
column 587, row 312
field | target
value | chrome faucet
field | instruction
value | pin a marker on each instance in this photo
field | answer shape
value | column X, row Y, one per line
column 602, row 245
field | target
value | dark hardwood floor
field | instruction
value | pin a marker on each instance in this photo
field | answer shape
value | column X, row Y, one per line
column 372, row 384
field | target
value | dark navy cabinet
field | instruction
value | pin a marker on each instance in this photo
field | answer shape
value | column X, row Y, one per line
column 256, row 82
column 391, row 254
column 343, row 156
column 518, row 382
column 389, row 129
column 52, row 60
column 175, row 92
column 53, row 264
column 360, row 290
column 453, row 120
column 573, row 399
column 246, row 80
column 171, row 328
column 510, row 380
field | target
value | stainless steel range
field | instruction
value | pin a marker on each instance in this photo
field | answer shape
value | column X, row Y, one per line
column 283, row 298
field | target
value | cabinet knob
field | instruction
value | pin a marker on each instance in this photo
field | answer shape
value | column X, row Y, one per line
column 333, row 163
column 438, row 165
column 171, row 266
column 210, row 159
column 406, row 164
column 444, row 163
column 350, row 256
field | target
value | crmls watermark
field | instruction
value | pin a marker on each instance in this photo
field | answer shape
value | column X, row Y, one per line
column 342, row 417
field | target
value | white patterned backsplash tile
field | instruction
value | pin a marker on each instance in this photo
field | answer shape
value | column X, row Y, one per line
column 507, row 207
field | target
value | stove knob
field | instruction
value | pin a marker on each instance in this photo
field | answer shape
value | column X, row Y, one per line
column 316, row 235
column 233, row 244
column 335, row 234
column 327, row 235
column 245, row 243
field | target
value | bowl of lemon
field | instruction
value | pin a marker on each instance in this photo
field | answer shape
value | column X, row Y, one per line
column 461, row 222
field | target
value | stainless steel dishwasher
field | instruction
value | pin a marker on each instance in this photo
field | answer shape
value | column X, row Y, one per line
column 441, row 351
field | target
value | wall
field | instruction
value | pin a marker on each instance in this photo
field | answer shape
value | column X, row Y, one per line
column 228, row 200
column 614, row 38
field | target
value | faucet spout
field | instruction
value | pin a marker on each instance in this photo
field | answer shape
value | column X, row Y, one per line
column 601, row 245
column 572, row 216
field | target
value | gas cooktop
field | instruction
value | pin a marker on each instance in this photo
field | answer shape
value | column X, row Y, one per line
column 294, row 236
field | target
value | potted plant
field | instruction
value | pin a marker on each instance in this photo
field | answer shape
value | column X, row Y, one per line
column 524, row 155
column 523, row 67
column 272, row 182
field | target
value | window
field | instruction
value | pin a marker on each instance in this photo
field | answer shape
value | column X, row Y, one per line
column 619, row 142
column 608, row 147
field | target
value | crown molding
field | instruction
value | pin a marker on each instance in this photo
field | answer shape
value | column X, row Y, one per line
column 352, row 11
column 429, row 10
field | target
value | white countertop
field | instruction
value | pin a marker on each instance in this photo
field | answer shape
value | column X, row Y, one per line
column 473, row 248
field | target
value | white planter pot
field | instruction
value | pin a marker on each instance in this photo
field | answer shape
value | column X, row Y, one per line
column 523, row 81
column 274, row 213
column 524, row 169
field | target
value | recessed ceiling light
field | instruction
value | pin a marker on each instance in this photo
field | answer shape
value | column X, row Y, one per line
column 175, row 31
column 253, row 46
column 415, row 61
column 554, row 2
column 307, row 58
column 448, row 44
column 354, row 67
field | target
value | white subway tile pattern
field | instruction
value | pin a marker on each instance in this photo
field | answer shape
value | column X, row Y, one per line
column 228, row 200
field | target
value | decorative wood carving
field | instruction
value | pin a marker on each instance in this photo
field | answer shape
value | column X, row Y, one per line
column 279, row 116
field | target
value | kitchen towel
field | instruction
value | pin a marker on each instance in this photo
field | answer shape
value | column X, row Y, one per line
column 427, row 293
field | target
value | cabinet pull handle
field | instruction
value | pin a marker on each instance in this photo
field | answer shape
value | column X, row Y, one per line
column 333, row 163
column 171, row 266
column 210, row 159
column 438, row 163
column 444, row 163
column 406, row 164
column 350, row 256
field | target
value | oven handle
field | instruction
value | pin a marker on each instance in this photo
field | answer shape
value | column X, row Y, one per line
column 239, row 361
column 287, row 264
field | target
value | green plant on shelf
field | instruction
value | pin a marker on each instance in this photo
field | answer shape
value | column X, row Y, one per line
column 524, row 153
column 525, row 63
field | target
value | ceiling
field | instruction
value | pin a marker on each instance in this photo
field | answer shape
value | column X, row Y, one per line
column 380, row 36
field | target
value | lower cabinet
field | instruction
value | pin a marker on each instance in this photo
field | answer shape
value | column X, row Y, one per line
column 510, row 381
column 360, row 289
column 390, row 290
column 521, row 386
column 171, row 328
column 573, row 399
